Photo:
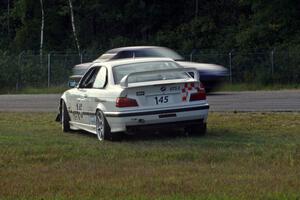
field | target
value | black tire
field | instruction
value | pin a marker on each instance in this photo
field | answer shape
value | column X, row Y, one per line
column 197, row 130
column 65, row 118
column 103, row 130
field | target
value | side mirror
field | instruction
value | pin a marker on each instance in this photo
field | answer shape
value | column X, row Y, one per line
column 72, row 83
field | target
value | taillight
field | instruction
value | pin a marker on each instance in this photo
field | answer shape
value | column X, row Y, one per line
column 199, row 95
column 122, row 102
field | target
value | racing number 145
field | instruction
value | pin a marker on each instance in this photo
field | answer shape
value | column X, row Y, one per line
column 161, row 99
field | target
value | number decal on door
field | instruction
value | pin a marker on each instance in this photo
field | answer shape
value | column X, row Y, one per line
column 79, row 106
column 79, row 111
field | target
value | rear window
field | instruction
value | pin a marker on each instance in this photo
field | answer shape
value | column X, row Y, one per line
column 122, row 70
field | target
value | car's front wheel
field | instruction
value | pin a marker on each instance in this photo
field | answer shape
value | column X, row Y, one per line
column 103, row 130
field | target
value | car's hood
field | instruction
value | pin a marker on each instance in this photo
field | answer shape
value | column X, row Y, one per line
column 204, row 67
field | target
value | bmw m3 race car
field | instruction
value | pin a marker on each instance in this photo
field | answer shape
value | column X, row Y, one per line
column 126, row 95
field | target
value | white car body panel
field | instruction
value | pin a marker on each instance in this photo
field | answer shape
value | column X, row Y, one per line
column 82, row 103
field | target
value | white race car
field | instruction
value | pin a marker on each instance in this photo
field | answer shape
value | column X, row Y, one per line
column 131, row 94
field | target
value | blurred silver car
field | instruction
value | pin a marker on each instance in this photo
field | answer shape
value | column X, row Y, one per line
column 211, row 75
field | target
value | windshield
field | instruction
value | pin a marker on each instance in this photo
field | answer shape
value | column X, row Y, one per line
column 122, row 70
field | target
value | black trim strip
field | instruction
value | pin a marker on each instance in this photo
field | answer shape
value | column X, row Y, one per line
column 84, row 113
column 157, row 112
column 167, row 115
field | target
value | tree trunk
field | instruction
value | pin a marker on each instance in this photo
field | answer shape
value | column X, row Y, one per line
column 8, row 18
column 42, row 33
column 73, row 27
column 196, row 8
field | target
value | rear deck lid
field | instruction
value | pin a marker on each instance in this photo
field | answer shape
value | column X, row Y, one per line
column 161, row 88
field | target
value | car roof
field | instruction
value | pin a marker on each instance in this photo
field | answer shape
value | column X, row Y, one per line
column 113, row 63
column 115, row 50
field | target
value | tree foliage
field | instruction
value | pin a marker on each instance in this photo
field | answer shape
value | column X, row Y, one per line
column 103, row 24
column 254, row 31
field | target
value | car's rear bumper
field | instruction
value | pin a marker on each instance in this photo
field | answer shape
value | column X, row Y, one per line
column 122, row 121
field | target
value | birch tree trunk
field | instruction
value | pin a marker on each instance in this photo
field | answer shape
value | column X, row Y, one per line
column 42, row 33
column 73, row 27
column 8, row 18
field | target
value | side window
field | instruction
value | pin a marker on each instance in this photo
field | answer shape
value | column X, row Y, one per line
column 101, row 78
column 89, row 78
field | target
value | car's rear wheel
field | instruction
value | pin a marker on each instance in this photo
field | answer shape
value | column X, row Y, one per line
column 197, row 130
column 65, row 118
column 103, row 129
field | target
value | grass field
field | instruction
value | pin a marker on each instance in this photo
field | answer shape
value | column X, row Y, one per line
column 244, row 156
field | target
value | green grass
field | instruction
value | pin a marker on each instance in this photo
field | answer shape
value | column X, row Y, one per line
column 243, row 156
column 227, row 87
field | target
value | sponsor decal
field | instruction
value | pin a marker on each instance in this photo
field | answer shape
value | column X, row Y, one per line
column 186, row 90
column 174, row 88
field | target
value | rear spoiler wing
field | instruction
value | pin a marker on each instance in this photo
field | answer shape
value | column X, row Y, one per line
column 124, row 80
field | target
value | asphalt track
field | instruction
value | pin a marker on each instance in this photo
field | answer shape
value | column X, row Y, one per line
column 257, row 101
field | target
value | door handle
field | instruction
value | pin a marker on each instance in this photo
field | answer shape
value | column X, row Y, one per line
column 85, row 96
